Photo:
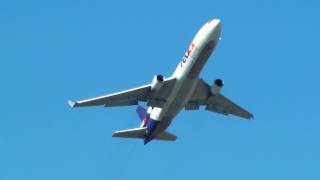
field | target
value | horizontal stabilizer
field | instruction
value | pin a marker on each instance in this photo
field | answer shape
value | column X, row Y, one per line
column 166, row 136
column 140, row 133
column 131, row 133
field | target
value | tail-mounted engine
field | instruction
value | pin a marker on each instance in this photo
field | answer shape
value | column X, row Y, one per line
column 216, row 86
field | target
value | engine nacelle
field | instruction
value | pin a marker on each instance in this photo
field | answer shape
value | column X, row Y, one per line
column 216, row 86
column 157, row 82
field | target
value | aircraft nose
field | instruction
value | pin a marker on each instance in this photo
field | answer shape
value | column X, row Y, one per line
column 214, row 21
column 215, row 28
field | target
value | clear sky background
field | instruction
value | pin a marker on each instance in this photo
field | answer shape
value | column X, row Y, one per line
column 52, row 51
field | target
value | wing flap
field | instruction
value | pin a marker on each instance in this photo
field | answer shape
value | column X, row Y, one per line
column 126, row 102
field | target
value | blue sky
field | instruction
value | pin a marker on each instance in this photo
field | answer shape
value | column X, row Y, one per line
column 52, row 51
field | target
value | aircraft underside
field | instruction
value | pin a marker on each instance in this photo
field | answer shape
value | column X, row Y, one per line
column 166, row 97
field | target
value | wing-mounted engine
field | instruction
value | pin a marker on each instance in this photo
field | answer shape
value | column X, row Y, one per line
column 157, row 82
column 216, row 86
column 155, row 99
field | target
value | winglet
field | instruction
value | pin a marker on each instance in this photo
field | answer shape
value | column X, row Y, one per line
column 72, row 103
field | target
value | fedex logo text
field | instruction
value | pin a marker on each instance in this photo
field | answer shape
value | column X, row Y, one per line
column 187, row 54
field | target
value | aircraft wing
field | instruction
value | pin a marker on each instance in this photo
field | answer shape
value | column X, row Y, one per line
column 223, row 105
column 215, row 103
column 130, row 97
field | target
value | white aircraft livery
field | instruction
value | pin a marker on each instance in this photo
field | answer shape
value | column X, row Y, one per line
column 166, row 97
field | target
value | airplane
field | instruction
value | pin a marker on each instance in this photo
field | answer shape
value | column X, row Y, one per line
column 166, row 97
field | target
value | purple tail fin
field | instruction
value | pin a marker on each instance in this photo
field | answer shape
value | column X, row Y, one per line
column 142, row 112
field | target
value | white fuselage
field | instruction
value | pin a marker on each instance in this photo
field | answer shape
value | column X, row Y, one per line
column 187, row 74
